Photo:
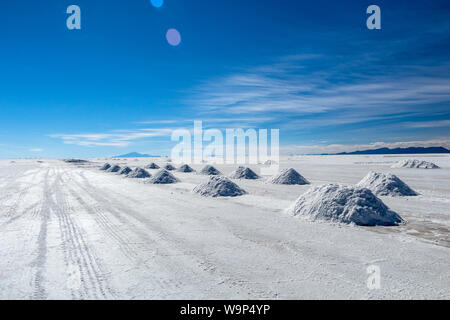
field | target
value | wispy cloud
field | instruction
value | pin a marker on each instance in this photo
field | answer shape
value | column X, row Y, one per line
column 428, row 124
column 304, row 92
column 279, row 91
column 124, row 138
column 251, row 93
column 117, row 138
column 209, row 120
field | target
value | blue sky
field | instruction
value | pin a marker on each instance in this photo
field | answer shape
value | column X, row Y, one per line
column 310, row 68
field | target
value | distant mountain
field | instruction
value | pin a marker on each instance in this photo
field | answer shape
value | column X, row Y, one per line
column 136, row 155
column 411, row 150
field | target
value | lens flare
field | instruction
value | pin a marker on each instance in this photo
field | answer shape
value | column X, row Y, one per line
column 173, row 37
column 157, row 3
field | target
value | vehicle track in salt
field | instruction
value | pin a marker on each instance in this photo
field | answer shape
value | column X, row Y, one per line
column 39, row 262
column 78, row 254
column 11, row 189
column 175, row 246
column 106, row 225
column 129, row 250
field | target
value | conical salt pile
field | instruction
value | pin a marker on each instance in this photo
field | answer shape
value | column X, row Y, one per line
column 386, row 185
column 125, row 170
column 410, row 163
column 139, row 173
column 163, row 177
column 338, row 203
column 219, row 187
column 105, row 167
column 288, row 176
column 169, row 167
column 114, row 168
column 243, row 173
column 210, row 170
column 152, row 166
column 185, row 168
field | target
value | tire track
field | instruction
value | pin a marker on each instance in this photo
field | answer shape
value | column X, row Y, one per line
column 157, row 239
column 78, row 256
column 13, row 189
column 130, row 251
column 32, row 208
column 39, row 263
column 105, row 224
column 172, row 244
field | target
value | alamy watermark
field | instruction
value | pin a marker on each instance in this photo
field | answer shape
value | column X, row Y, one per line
column 74, row 20
column 374, row 20
column 374, row 279
column 229, row 146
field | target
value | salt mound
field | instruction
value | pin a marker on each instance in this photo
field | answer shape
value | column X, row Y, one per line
column 411, row 163
column 338, row 203
column 185, row 168
column 219, row 187
column 114, row 168
column 152, row 166
column 163, row 177
column 139, row 173
column 106, row 166
column 243, row 173
column 169, row 167
column 125, row 170
column 210, row 170
column 288, row 176
column 386, row 185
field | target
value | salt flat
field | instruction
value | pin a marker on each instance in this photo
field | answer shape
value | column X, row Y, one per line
column 71, row 231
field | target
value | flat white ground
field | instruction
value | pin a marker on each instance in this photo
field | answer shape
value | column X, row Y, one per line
column 74, row 232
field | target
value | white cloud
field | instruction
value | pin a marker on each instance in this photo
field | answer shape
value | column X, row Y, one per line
column 118, row 138
column 36, row 150
column 209, row 120
column 171, row 121
column 428, row 124
column 280, row 91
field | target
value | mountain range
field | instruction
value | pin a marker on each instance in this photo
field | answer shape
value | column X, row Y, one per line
column 410, row 150
column 136, row 155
